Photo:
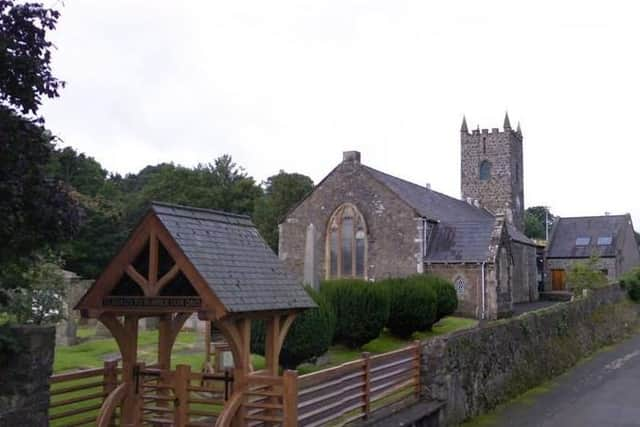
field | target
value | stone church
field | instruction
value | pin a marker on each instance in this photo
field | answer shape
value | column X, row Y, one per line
column 362, row 222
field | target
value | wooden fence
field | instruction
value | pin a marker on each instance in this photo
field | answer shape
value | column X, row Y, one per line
column 76, row 397
column 345, row 393
column 333, row 396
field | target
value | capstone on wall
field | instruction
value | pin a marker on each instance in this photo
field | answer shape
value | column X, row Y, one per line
column 393, row 229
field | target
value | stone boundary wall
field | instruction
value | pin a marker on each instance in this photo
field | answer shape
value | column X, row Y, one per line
column 475, row 370
column 24, row 377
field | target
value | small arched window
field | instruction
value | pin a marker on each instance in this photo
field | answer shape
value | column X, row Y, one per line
column 346, row 243
column 485, row 170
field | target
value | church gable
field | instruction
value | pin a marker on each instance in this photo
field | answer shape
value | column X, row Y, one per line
column 390, row 224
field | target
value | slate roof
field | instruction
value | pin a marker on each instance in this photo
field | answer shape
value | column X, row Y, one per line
column 463, row 232
column 233, row 258
column 567, row 230
column 429, row 203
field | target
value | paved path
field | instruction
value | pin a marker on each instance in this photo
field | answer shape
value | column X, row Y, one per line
column 603, row 391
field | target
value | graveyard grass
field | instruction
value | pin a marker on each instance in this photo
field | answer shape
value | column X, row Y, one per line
column 188, row 349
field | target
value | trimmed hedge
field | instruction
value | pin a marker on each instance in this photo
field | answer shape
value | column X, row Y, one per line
column 361, row 308
column 447, row 298
column 631, row 283
column 413, row 305
column 310, row 335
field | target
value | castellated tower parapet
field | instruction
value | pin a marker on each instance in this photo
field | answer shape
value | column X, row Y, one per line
column 492, row 170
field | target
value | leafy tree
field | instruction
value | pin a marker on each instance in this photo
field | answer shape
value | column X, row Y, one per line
column 282, row 192
column 534, row 222
column 25, row 56
column 81, row 172
column 36, row 210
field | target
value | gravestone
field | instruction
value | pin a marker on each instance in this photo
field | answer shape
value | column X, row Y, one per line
column 310, row 276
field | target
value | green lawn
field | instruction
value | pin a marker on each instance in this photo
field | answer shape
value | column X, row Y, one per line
column 386, row 342
column 188, row 348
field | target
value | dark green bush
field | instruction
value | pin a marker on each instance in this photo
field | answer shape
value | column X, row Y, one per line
column 631, row 283
column 412, row 305
column 447, row 298
column 362, row 310
column 310, row 335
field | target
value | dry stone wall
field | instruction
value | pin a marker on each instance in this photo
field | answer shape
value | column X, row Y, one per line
column 475, row 370
column 24, row 377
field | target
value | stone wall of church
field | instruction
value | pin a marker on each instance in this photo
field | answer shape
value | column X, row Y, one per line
column 393, row 230
column 467, row 279
column 525, row 284
column 504, row 188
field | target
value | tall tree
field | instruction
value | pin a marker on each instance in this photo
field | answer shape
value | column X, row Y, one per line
column 282, row 192
column 25, row 55
column 534, row 221
column 36, row 210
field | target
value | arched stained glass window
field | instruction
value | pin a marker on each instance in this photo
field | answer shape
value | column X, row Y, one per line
column 346, row 243
column 485, row 170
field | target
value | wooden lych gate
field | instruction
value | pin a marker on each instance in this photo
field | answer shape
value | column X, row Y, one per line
column 179, row 261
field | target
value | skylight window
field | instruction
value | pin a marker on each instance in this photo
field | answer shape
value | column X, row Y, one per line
column 583, row 241
column 605, row 240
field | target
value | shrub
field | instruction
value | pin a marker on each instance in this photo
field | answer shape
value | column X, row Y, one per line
column 631, row 283
column 310, row 335
column 362, row 309
column 447, row 298
column 585, row 275
column 412, row 305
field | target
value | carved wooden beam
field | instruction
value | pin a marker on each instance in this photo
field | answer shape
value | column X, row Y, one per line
column 139, row 279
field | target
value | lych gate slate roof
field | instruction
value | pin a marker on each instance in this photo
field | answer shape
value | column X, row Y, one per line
column 232, row 257
column 567, row 230
column 463, row 232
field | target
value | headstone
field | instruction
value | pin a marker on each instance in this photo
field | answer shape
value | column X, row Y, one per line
column 310, row 276
column 102, row 331
column 66, row 333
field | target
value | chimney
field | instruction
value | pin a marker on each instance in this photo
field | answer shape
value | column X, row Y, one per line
column 351, row 156
column 428, row 186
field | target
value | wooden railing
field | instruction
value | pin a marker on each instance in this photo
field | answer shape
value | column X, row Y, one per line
column 271, row 400
column 333, row 396
column 76, row 397
column 182, row 397
column 345, row 393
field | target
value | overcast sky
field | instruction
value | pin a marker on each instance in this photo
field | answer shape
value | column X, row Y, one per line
column 291, row 84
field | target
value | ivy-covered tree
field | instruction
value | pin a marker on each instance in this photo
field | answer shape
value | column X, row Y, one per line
column 282, row 192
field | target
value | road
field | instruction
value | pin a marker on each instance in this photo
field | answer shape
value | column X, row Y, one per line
column 602, row 391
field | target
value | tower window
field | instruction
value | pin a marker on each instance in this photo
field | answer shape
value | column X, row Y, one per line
column 485, row 170
column 346, row 243
column 484, row 145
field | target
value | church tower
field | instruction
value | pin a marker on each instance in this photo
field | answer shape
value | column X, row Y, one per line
column 492, row 170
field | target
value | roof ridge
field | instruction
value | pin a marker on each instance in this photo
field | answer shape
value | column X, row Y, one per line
column 592, row 216
column 196, row 209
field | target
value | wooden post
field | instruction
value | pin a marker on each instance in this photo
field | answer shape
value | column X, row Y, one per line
column 290, row 398
column 110, row 378
column 366, row 366
column 418, row 364
column 181, row 381
column 129, row 350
